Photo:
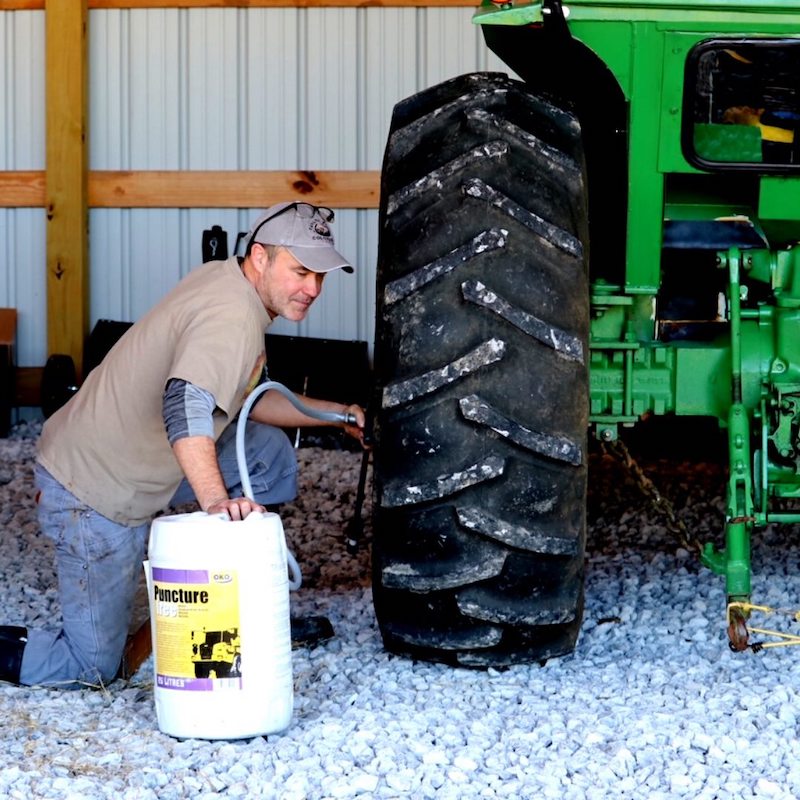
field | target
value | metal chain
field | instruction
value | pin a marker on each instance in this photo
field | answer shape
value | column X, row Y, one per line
column 659, row 503
column 738, row 613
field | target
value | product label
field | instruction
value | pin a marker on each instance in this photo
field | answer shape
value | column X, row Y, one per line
column 198, row 639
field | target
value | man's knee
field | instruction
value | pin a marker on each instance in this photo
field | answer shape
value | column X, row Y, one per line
column 272, row 466
column 267, row 439
column 270, row 461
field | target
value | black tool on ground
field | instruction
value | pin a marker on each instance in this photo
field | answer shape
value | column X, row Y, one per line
column 310, row 631
column 215, row 244
column 355, row 528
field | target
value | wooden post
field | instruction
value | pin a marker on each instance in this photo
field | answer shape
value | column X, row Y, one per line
column 66, row 180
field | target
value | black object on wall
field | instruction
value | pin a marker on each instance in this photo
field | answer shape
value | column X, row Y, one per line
column 215, row 244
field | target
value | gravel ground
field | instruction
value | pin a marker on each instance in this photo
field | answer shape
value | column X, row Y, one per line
column 651, row 705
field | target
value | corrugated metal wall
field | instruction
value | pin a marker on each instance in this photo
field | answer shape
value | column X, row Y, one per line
column 233, row 89
column 22, row 145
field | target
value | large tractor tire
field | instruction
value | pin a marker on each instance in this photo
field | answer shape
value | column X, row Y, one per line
column 481, row 362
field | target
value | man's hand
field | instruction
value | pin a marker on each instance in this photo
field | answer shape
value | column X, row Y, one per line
column 357, row 430
column 236, row 508
column 273, row 408
column 197, row 456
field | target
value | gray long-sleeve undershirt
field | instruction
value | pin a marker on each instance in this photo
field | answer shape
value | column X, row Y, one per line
column 187, row 410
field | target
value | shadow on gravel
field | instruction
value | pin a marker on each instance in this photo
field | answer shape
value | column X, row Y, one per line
column 684, row 461
column 687, row 462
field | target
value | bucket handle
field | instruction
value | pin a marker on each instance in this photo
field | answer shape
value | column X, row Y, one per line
column 295, row 576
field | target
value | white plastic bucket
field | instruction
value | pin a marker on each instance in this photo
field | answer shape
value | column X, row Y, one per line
column 219, row 611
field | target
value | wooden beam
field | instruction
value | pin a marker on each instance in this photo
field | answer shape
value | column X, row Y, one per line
column 275, row 3
column 66, row 184
column 23, row 189
column 29, row 5
column 218, row 189
column 197, row 189
column 22, row 5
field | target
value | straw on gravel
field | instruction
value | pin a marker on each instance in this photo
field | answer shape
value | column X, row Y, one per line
column 651, row 705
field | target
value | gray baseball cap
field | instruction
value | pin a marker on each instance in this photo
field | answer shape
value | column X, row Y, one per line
column 303, row 229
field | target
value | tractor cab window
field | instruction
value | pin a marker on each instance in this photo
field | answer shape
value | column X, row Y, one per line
column 743, row 104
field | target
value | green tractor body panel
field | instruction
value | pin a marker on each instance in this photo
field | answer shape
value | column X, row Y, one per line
column 690, row 113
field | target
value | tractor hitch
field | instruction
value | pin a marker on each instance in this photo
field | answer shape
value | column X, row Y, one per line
column 739, row 632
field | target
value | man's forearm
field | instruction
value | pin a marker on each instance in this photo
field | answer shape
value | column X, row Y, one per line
column 197, row 456
column 276, row 409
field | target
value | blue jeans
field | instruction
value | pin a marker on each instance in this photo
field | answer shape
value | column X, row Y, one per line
column 99, row 562
column 271, row 465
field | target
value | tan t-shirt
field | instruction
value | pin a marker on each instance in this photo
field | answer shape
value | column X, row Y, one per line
column 108, row 444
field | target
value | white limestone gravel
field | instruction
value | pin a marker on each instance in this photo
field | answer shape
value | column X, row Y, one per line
column 651, row 705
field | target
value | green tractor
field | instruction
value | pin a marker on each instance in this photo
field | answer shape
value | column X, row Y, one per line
column 610, row 238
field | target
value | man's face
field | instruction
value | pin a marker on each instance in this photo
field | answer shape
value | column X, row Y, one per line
column 286, row 288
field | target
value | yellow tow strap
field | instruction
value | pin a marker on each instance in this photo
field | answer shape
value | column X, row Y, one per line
column 739, row 632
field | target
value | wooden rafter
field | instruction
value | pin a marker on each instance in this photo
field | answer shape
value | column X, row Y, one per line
column 32, row 5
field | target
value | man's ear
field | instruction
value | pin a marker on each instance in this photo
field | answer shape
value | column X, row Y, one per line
column 260, row 257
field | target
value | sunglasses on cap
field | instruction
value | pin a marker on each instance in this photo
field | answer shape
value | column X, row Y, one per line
column 304, row 210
